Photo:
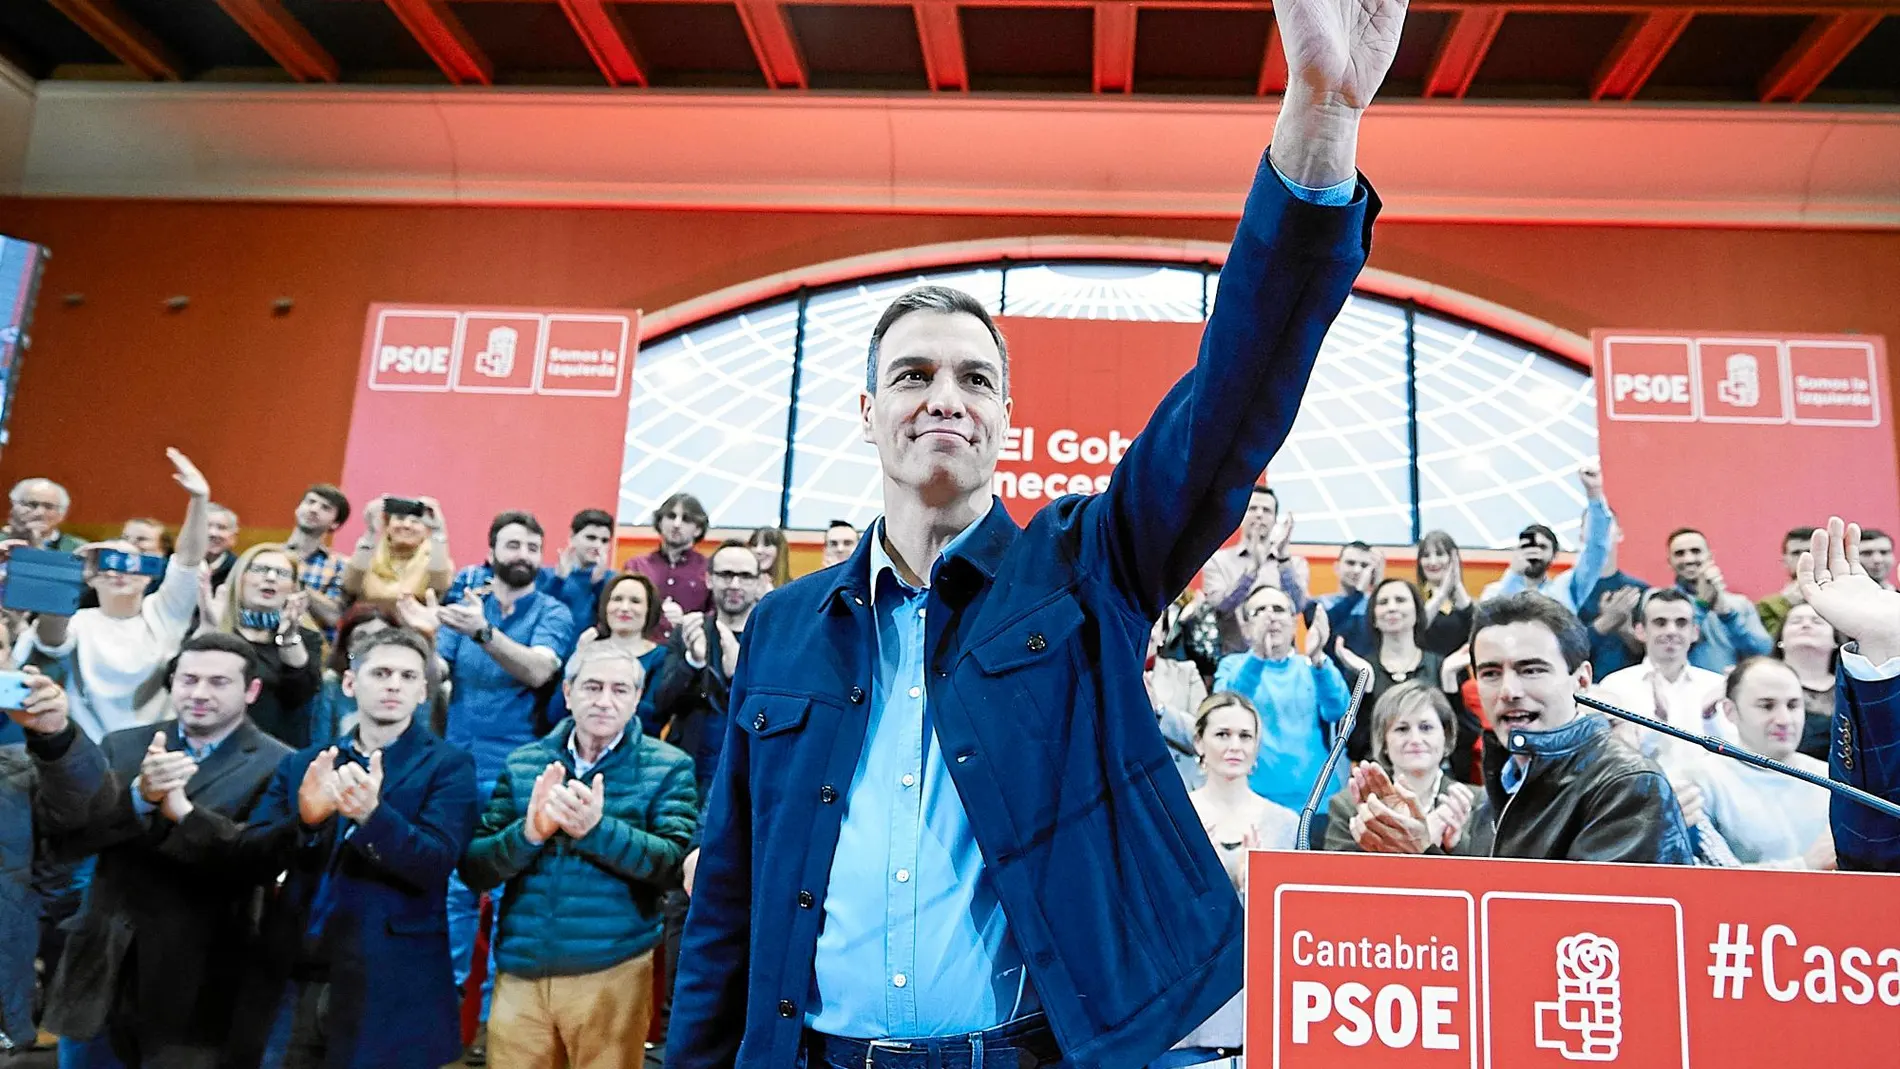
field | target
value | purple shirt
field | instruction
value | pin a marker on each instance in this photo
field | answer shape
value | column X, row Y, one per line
column 684, row 582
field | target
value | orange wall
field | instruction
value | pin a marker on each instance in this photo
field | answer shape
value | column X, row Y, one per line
column 263, row 402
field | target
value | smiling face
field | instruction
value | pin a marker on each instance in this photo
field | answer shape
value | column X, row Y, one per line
column 1768, row 709
column 1522, row 681
column 1668, row 629
column 1266, row 617
column 267, row 582
column 406, row 534
column 1688, row 555
column 1394, row 612
column 1229, row 743
column 1415, row 740
column 940, row 412
column 627, row 608
column 767, row 555
column 1433, row 561
column 209, row 691
column 221, row 528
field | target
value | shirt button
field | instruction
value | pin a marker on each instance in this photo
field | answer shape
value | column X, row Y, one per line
column 908, row 780
column 916, row 692
column 669, row 580
column 920, row 614
column 785, row 1007
column 899, row 980
column 857, row 696
column 805, row 900
column 903, row 875
column 827, row 795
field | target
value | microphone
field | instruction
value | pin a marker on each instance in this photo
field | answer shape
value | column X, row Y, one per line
column 1720, row 746
column 1303, row 840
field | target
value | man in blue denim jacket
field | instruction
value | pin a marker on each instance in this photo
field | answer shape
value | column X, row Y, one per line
column 945, row 832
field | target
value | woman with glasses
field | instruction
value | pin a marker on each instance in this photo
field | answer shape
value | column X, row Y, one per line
column 264, row 604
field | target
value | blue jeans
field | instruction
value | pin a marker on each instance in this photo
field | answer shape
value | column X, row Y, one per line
column 465, row 910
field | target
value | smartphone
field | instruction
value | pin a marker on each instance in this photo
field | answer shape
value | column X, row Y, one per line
column 13, row 690
column 118, row 560
column 404, row 506
column 44, row 580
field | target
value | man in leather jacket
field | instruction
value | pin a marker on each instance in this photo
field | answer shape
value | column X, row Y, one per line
column 1557, row 785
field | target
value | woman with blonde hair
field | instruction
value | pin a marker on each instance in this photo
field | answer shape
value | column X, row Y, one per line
column 1412, row 728
column 401, row 552
column 264, row 604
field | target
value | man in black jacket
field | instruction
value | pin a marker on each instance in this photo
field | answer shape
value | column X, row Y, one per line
column 156, row 964
column 1557, row 785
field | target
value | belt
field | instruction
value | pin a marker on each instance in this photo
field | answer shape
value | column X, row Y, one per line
column 1025, row 1043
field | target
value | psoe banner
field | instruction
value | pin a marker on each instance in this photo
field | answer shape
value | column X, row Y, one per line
column 1742, row 436
column 488, row 409
column 1435, row 963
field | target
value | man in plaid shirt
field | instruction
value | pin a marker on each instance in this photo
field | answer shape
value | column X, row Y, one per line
column 322, row 510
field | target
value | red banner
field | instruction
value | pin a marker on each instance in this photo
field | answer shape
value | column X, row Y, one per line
column 1402, row 962
column 1742, row 436
column 1083, row 389
column 490, row 409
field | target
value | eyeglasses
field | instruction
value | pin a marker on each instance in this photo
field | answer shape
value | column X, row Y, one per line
column 733, row 577
column 270, row 571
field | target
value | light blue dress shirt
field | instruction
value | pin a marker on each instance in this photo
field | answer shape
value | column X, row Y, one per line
column 914, row 942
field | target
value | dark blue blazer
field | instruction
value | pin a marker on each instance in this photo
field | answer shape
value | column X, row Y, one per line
column 1035, row 637
column 1864, row 751
column 393, row 1001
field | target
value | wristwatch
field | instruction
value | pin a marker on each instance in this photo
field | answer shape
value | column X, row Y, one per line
column 481, row 637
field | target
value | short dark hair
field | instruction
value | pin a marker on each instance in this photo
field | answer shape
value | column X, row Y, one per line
column 1679, row 532
column 525, row 519
column 942, row 299
column 1263, row 488
column 1661, row 593
column 1531, row 608
column 586, row 518
column 1355, row 544
column 835, row 524
column 607, row 591
column 331, row 493
column 689, row 507
column 1801, row 534
column 1418, row 604
column 1874, row 532
column 218, row 642
column 1540, row 531
column 401, row 637
column 730, row 543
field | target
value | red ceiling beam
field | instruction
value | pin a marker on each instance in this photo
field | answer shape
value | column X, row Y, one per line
column 1821, row 48
column 1114, row 48
column 1462, row 51
column 122, row 36
column 279, row 33
column 607, row 41
column 771, row 36
column 447, row 41
column 940, row 33
column 1273, row 64
column 1645, row 41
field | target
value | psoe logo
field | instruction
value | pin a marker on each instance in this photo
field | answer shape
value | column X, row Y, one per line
column 1585, row 1024
column 497, row 359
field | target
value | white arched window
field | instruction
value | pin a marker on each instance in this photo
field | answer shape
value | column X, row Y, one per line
column 1414, row 420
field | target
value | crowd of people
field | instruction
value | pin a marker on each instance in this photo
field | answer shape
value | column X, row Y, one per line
column 269, row 794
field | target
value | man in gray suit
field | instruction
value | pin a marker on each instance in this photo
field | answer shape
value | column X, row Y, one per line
column 155, row 966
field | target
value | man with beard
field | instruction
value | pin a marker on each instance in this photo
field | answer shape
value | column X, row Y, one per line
column 677, row 571
column 322, row 510
column 1537, row 548
column 500, row 652
column 1558, row 786
column 1728, row 626
column 156, row 964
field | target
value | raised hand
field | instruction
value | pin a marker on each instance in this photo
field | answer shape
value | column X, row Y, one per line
column 465, row 617
column 578, row 807
column 1339, row 50
column 359, row 792
column 424, row 616
column 210, row 608
column 44, row 710
column 566, row 561
column 295, row 606
column 1397, row 826
column 1834, row 582
column 1448, row 819
column 187, row 475
column 672, row 613
column 1617, row 608
column 1590, row 474
column 1282, row 534
column 317, row 793
column 163, row 771
column 692, row 629
column 541, row 824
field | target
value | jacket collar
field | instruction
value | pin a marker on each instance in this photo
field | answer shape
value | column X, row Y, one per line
column 979, row 549
column 1558, row 742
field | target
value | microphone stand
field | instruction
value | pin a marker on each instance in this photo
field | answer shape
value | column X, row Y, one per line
column 1718, row 746
column 1304, row 839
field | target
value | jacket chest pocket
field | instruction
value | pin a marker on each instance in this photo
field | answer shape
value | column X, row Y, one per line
column 1031, row 669
column 774, row 725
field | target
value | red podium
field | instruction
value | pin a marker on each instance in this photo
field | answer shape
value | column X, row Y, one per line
column 1435, row 963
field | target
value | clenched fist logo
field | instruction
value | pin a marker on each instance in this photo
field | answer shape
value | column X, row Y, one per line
column 1585, row 1024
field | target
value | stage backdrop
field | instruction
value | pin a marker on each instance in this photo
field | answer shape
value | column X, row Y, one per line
column 1742, row 436
column 490, row 409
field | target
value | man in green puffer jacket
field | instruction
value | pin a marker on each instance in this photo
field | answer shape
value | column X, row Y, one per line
column 587, row 827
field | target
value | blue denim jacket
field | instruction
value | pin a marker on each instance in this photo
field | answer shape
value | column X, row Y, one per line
column 1113, row 893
